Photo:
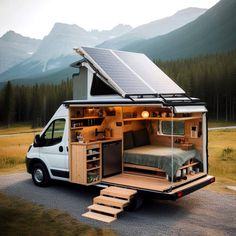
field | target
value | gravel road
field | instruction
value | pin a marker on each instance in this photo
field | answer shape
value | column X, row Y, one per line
column 222, row 128
column 201, row 213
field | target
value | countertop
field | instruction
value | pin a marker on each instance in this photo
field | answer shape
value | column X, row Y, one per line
column 98, row 141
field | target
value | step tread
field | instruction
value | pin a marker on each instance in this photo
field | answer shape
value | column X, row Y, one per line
column 119, row 192
column 110, row 201
column 105, row 209
column 98, row 216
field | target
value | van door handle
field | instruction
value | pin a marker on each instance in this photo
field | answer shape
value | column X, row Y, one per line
column 60, row 149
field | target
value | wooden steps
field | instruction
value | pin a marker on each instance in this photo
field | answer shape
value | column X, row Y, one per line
column 100, row 217
column 118, row 192
column 105, row 209
column 110, row 203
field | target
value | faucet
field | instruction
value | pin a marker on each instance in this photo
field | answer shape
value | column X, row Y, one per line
column 99, row 132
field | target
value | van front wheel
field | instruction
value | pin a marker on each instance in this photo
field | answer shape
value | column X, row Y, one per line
column 40, row 175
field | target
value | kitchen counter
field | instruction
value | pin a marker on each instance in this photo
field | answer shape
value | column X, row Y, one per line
column 95, row 141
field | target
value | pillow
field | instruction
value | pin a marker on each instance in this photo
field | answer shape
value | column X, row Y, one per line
column 128, row 140
column 141, row 137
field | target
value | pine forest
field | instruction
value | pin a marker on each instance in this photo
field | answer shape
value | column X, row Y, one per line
column 211, row 78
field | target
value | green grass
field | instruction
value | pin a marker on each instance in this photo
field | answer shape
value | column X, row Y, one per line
column 220, row 123
column 18, row 128
column 222, row 158
column 222, row 153
column 13, row 148
column 18, row 217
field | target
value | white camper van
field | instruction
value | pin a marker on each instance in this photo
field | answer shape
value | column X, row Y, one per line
column 129, row 126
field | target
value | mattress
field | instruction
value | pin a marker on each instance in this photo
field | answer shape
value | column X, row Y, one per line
column 160, row 157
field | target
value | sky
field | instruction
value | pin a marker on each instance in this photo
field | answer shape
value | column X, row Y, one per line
column 35, row 18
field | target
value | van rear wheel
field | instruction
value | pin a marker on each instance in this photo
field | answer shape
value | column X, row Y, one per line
column 40, row 175
column 135, row 203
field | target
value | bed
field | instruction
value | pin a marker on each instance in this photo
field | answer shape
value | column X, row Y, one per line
column 160, row 157
column 139, row 152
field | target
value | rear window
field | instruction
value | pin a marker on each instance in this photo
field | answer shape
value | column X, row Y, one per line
column 166, row 128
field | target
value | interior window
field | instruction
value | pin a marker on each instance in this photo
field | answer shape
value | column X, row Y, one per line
column 178, row 127
column 54, row 133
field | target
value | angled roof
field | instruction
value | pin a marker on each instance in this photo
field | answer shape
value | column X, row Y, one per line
column 130, row 73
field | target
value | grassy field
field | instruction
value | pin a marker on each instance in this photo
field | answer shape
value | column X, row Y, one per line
column 14, row 143
column 18, row 128
column 23, row 218
column 222, row 158
column 222, row 153
column 215, row 123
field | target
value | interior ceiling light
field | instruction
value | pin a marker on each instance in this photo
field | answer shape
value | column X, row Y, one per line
column 145, row 114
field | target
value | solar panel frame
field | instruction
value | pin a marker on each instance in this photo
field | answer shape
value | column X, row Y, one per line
column 116, row 71
column 131, row 74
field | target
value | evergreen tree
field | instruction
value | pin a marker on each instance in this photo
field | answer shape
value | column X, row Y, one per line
column 8, row 104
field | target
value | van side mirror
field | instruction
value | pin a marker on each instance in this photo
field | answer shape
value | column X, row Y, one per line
column 37, row 141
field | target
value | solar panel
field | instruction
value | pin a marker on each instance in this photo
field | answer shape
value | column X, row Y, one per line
column 123, row 77
column 131, row 73
column 146, row 69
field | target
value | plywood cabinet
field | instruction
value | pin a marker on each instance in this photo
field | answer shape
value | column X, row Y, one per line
column 86, row 163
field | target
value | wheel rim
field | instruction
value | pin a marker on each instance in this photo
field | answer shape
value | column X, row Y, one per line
column 38, row 175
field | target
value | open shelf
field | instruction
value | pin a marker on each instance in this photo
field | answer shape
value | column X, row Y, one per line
column 86, row 163
column 97, row 159
column 78, row 123
column 94, row 168
column 86, row 117
column 94, row 182
column 76, row 128
column 163, row 118
column 93, row 154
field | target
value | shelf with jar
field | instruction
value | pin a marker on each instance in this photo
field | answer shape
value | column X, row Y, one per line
column 86, row 164
column 93, row 163
column 77, row 123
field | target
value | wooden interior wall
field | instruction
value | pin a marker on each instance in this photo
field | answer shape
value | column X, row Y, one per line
column 163, row 140
column 196, row 141
column 133, row 125
column 111, row 122
column 108, row 122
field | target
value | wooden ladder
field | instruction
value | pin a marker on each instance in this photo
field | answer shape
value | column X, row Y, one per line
column 111, row 201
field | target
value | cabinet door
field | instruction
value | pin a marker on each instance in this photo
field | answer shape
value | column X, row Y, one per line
column 78, row 164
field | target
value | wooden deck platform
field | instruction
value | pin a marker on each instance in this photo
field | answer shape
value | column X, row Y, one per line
column 146, row 182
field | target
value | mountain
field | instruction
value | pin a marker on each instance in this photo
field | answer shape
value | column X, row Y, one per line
column 15, row 48
column 155, row 28
column 55, row 52
column 64, row 37
column 213, row 32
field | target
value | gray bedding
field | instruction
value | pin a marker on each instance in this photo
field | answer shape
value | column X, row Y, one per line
column 160, row 157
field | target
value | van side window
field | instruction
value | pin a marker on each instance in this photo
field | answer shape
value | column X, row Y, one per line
column 54, row 133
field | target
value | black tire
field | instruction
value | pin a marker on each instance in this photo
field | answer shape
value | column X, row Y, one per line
column 135, row 204
column 40, row 175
